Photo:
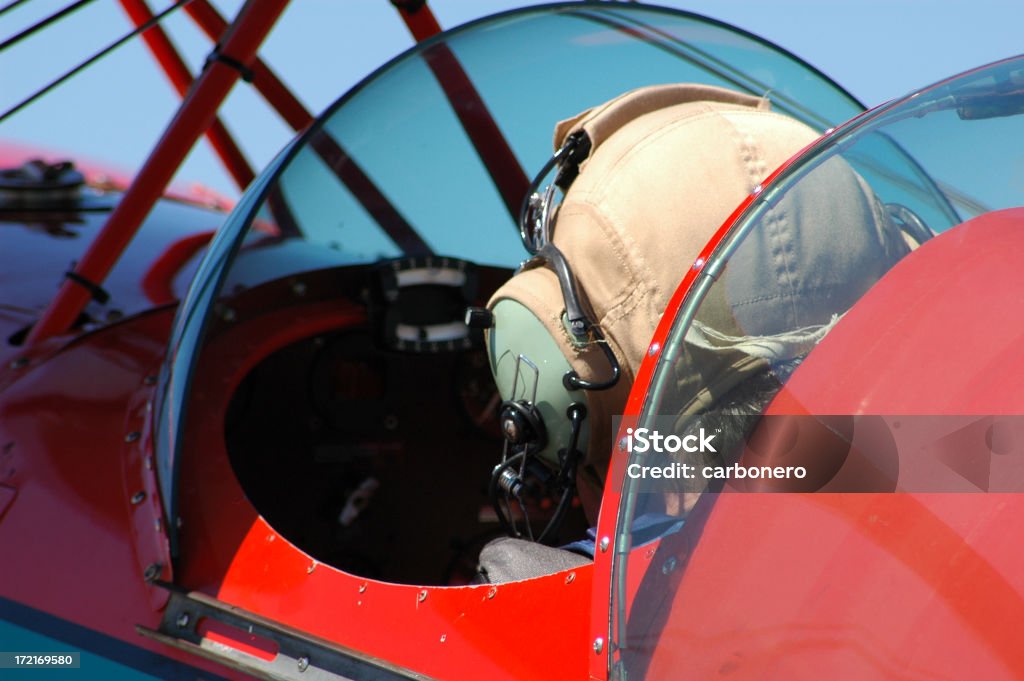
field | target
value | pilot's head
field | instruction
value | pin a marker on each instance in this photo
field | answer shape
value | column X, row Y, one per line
column 648, row 178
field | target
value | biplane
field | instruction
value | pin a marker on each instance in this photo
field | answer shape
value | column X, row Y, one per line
column 263, row 443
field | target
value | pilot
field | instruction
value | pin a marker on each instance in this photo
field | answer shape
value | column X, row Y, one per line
column 647, row 178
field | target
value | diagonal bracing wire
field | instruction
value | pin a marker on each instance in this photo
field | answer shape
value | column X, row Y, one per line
column 43, row 23
column 11, row 5
column 157, row 18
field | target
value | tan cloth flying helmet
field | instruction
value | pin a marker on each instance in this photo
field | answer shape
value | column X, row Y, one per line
column 668, row 164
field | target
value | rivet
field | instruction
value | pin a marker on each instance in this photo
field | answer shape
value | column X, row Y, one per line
column 422, row 596
column 138, row 498
column 443, row 637
column 698, row 264
column 570, row 578
column 19, row 363
column 605, row 541
column 492, row 591
column 669, row 566
column 149, row 380
column 132, row 436
column 598, row 645
column 362, row 588
column 298, row 289
column 152, row 572
column 156, row 524
column 183, row 620
column 623, row 444
column 757, row 190
column 228, row 315
column 303, row 663
column 653, row 350
column 310, row 568
column 149, row 463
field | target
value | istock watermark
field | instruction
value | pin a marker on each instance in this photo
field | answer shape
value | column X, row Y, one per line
column 823, row 453
column 647, row 440
column 644, row 440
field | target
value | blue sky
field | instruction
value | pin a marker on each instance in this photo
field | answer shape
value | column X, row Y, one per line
column 115, row 111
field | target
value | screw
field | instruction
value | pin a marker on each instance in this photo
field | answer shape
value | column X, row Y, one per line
column 362, row 587
column 422, row 596
column 152, row 572
column 669, row 566
column 570, row 578
column 622, row 444
column 312, row 566
column 298, row 289
column 19, row 363
column 303, row 663
column 138, row 498
column 605, row 541
column 698, row 263
column 132, row 436
column 653, row 350
column 492, row 591
column 757, row 190
column 149, row 380
column 183, row 620
column 598, row 645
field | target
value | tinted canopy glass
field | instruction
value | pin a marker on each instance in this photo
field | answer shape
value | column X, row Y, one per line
column 431, row 154
column 840, row 258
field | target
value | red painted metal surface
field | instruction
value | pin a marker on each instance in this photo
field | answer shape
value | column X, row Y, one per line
column 195, row 115
column 230, row 552
column 158, row 282
column 852, row 586
column 73, row 465
column 39, row 247
column 177, row 72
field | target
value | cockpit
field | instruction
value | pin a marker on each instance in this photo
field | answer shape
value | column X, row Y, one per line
column 322, row 349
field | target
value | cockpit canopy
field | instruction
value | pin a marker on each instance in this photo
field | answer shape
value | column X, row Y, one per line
column 429, row 158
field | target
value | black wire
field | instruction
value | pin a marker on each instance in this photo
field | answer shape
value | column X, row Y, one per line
column 43, row 23
column 11, row 5
column 93, row 59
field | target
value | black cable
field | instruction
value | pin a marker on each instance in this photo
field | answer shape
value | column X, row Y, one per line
column 43, row 23
column 11, row 5
column 93, row 59
column 576, row 413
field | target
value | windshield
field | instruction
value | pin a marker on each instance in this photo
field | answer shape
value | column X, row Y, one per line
column 819, row 284
column 431, row 156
